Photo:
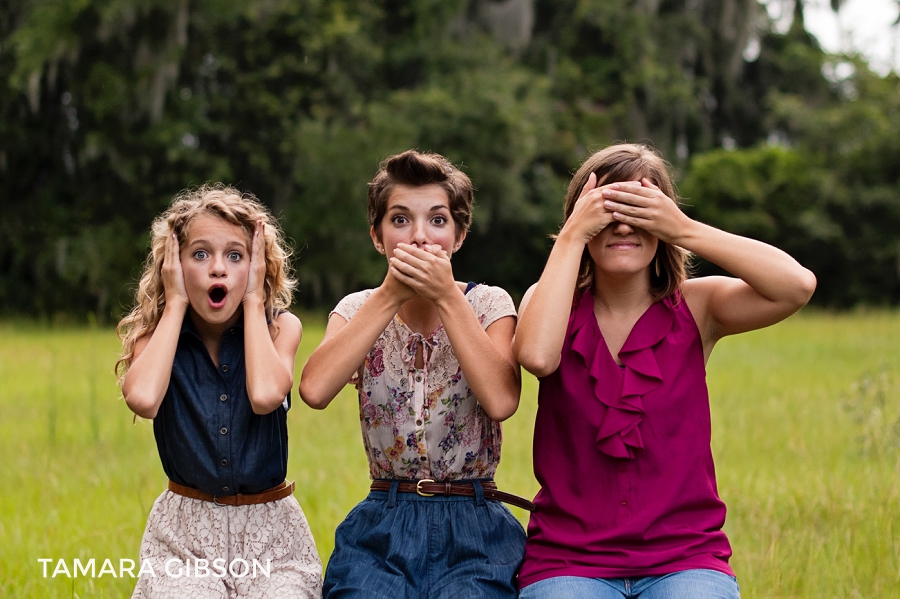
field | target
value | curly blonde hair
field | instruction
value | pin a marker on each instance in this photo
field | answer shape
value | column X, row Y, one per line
column 235, row 207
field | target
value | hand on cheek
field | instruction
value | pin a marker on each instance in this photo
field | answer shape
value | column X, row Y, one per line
column 173, row 275
column 257, row 276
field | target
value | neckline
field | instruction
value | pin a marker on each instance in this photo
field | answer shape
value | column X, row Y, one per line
column 615, row 358
column 469, row 287
column 652, row 326
column 409, row 330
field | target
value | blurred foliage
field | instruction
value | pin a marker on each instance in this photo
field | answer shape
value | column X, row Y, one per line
column 109, row 107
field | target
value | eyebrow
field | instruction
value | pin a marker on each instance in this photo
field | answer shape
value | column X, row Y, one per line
column 432, row 209
column 230, row 244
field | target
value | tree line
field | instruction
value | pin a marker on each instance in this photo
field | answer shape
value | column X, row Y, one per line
column 110, row 107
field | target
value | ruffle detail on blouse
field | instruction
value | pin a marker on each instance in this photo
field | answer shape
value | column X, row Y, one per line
column 619, row 435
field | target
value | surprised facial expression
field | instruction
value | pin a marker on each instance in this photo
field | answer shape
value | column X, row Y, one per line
column 215, row 260
column 418, row 216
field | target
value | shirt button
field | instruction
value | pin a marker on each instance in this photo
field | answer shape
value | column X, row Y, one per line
column 622, row 468
column 418, row 378
column 422, row 459
column 418, row 423
column 223, row 430
column 223, row 397
column 224, row 462
column 225, row 489
column 224, row 367
column 624, row 502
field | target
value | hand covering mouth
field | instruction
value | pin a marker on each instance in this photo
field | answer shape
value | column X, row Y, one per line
column 217, row 294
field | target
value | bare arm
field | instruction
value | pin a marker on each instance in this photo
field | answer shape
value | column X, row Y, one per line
column 485, row 356
column 770, row 285
column 148, row 377
column 269, row 361
column 346, row 344
column 544, row 312
column 269, row 358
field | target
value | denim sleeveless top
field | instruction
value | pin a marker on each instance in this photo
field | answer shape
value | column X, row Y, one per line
column 206, row 432
column 622, row 454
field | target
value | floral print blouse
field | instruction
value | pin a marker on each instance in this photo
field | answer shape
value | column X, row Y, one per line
column 425, row 423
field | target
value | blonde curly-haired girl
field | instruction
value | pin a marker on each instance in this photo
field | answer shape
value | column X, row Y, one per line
column 208, row 354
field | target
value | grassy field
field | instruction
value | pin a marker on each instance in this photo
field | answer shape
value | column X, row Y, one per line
column 806, row 435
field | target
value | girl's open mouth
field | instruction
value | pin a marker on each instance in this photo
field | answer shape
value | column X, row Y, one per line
column 217, row 295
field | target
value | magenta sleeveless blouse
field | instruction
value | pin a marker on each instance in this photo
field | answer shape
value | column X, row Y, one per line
column 622, row 454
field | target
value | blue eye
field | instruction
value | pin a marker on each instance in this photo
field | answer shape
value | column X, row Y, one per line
column 234, row 256
column 201, row 255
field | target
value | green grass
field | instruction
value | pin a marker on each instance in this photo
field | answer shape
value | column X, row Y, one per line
column 806, row 423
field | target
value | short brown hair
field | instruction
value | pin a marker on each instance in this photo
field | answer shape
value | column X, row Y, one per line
column 631, row 162
column 417, row 169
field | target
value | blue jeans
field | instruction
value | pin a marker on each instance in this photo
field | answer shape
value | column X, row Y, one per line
column 688, row 584
column 405, row 546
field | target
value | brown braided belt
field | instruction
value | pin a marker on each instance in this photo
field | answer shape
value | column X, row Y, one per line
column 427, row 488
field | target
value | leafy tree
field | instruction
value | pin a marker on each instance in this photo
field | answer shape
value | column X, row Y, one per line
column 109, row 107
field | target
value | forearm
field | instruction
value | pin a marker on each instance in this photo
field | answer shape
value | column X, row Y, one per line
column 269, row 379
column 543, row 321
column 492, row 375
column 147, row 380
column 335, row 361
column 770, row 272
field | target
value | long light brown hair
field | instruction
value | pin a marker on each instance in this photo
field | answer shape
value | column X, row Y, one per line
column 632, row 162
column 231, row 205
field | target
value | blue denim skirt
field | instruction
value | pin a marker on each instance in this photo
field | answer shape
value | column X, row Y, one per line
column 402, row 545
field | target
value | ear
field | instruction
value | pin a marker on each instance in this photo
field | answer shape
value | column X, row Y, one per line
column 459, row 241
column 376, row 240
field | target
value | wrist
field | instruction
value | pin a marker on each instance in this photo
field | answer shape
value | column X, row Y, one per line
column 687, row 233
column 445, row 301
column 253, row 301
column 569, row 235
column 389, row 300
column 177, row 305
column 570, row 242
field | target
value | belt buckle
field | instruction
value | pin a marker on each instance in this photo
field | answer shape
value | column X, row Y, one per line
column 419, row 490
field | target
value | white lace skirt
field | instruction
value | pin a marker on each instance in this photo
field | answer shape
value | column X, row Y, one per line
column 193, row 548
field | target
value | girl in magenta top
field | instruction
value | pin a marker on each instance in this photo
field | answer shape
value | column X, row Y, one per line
column 619, row 337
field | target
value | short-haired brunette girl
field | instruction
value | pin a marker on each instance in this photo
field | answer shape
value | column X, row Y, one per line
column 432, row 361
column 619, row 338
column 208, row 355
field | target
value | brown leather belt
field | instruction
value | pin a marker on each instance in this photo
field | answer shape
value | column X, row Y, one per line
column 427, row 487
column 274, row 494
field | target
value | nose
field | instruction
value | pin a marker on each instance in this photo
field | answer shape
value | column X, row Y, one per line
column 419, row 233
column 217, row 266
column 623, row 229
